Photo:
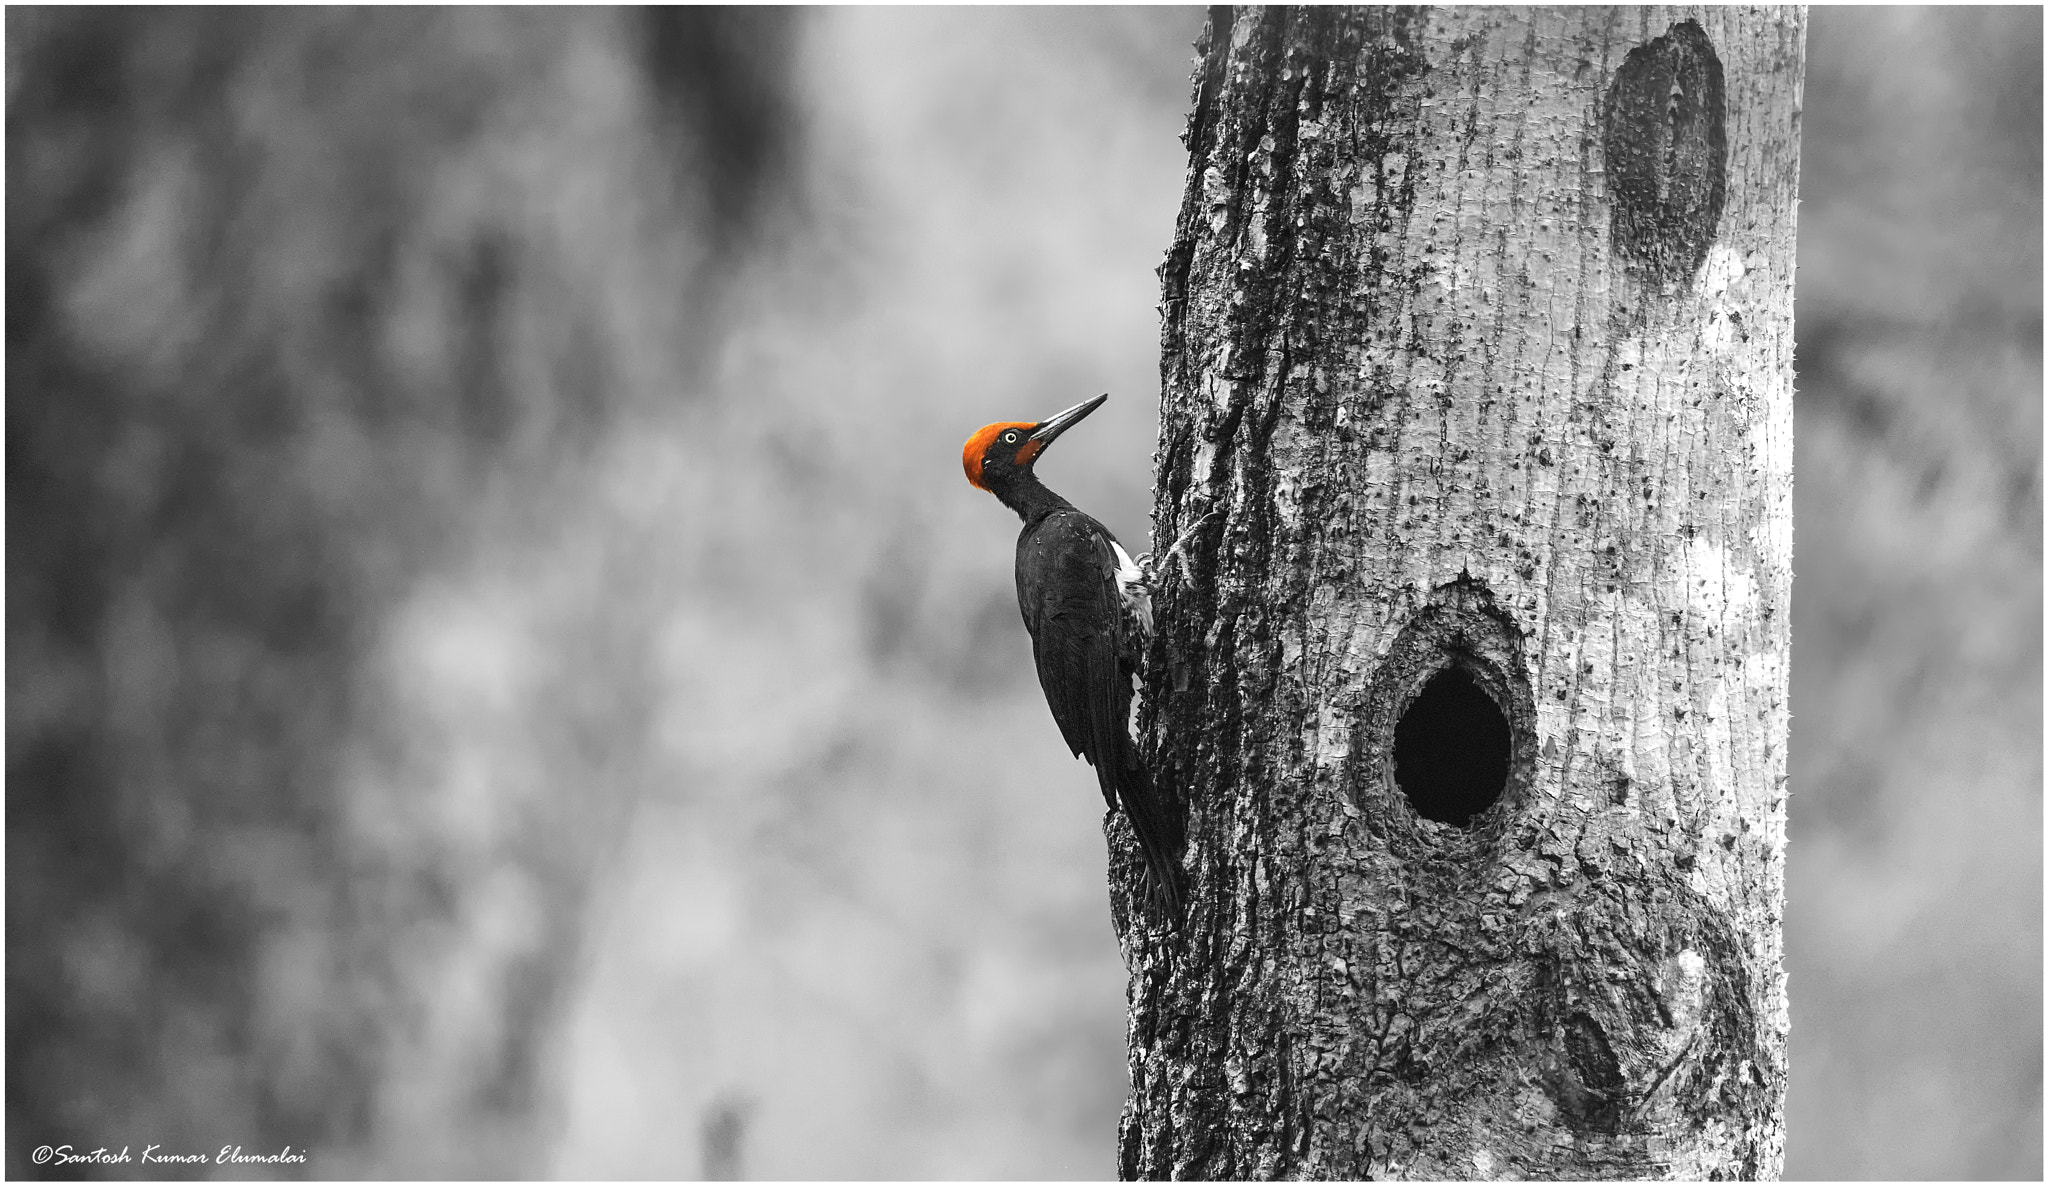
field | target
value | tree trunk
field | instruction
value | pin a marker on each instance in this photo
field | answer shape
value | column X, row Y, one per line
column 1477, row 366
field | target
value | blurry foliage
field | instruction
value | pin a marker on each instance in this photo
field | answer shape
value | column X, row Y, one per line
column 1913, row 920
column 297, row 301
column 506, row 676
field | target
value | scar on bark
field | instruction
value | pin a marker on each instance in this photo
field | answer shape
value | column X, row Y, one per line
column 1666, row 145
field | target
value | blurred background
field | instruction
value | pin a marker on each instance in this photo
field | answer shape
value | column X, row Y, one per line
column 503, row 665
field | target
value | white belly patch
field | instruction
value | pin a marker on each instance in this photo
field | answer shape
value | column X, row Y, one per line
column 1132, row 587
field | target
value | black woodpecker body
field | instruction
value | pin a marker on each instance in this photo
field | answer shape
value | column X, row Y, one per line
column 1089, row 611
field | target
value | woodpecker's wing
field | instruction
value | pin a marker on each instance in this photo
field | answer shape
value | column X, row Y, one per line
column 1086, row 606
column 1066, row 587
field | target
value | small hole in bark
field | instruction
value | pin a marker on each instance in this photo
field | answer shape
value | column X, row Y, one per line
column 1451, row 749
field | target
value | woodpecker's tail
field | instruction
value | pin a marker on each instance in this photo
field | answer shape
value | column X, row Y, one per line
column 1159, row 830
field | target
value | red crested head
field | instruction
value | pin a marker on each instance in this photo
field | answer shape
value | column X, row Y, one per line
column 1007, row 444
column 1003, row 451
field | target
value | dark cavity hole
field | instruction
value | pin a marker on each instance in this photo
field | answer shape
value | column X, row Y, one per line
column 1451, row 749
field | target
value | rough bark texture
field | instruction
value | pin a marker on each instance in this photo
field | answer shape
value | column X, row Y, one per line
column 1477, row 354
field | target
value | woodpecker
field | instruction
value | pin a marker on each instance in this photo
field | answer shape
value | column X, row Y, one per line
column 1088, row 607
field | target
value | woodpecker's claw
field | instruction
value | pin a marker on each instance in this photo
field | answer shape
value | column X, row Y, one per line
column 1176, row 553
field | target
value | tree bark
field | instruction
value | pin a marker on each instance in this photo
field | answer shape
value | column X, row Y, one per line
column 1477, row 358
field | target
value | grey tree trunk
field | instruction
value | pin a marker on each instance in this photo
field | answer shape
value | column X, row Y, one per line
column 1478, row 402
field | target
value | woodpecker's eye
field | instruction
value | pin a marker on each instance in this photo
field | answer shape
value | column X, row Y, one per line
column 1010, row 438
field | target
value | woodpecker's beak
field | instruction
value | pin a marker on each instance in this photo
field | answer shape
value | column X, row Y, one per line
column 1048, row 429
